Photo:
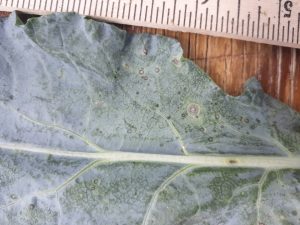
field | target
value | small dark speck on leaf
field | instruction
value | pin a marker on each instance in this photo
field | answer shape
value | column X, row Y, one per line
column 145, row 51
column 137, row 92
column 77, row 180
column 11, row 97
column 96, row 181
column 145, row 77
column 183, row 115
column 13, row 196
column 210, row 139
column 168, row 117
column 232, row 161
column 157, row 70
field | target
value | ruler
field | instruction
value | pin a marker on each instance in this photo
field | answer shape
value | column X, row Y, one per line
column 274, row 22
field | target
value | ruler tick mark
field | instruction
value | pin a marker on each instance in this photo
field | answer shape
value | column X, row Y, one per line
column 78, row 8
column 279, row 18
column 112, row 10
column 243, row 24
column 174, row 10
column 222, row 24
column 101, row 7
column 283, row 32
column 56, row 6
column 134, row 13
column 73, row 8
column 146, row 13
column 227, row 23
column 95, row 11
column 129, row 10
column 123, row 13
column 238, row 17
column 248, row 24
column 288, row 31
column 168, row 16
column 269, row 22
column 200, row 25
column 51, row 3
column 179, row 15
column 206, row 15
column 258, row 22
column 151, row 13
column 118, row 9
column 298, row 29
column 68, row 2
column 106, row 10
column 141, row 8
column 217, row 18
column 90, row 8
column 163, row 12
column 196, row 14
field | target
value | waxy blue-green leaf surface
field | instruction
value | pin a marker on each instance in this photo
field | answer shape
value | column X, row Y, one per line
column 72, row 88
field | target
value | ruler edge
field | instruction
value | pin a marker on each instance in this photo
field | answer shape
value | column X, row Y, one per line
column 157, row 26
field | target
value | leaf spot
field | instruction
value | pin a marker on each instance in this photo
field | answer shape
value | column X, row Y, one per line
column 175, row 61
column 145, row 51
column 141, row 71
column 13, row 196
column 193, row 110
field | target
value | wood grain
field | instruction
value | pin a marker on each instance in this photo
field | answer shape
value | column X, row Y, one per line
column 231, row 62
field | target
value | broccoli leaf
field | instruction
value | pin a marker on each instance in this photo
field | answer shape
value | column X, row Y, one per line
column 99, row 126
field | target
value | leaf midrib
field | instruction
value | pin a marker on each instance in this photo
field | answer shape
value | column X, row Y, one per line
column 204, row 160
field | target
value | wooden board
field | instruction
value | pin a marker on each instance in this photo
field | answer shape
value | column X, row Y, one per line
column 231, row 62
